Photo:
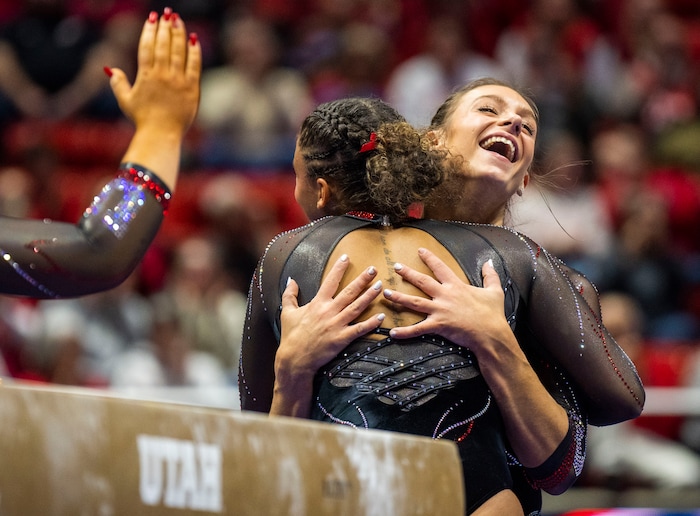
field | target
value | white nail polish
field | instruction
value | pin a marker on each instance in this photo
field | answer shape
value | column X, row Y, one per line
column 380, row 317
column 398, row 266
column 371, row 271
column 377, row 285
column 344, row 258
column 387, row 292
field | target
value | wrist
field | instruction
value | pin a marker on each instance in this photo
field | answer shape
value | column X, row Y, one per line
column 159, row 132
column 289, row 373
column 499, row 350
column 146, row 178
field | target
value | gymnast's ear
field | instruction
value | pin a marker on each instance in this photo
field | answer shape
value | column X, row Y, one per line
column 323, row 193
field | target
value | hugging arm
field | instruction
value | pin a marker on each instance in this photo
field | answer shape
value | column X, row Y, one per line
column 569, row 331
column 558, row 326
column 279, row 379
column 256, row 372
column 473, row 317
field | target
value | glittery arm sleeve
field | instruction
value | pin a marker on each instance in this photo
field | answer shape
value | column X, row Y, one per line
column 566, row 325
column 584, row 287
column 256, row 377
column 49, row 259
column 563, row 467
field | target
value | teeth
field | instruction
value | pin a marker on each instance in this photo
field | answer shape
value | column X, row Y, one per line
column 500, row 139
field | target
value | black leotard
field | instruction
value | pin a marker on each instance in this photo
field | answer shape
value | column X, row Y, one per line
column 576, row 359
column 49, row 259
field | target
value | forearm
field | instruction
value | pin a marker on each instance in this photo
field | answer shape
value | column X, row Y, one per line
column 535, row 423
column 99, row 252
column 14, row 81
column 295, row 368
column 157, row 148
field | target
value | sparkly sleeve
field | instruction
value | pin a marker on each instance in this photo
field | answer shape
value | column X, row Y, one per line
column 49, row 259
column 579, row 356
column 256, row 377
column 561, row 469
column 256, row 374
column 583, row 285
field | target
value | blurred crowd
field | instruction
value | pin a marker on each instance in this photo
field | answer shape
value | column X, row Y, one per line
column 616, row 192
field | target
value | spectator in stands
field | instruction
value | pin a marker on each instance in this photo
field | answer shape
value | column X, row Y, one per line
column 417, row 86
column 81, row 339
column 199, row 292
column 244, row 216
column 167, row 359
column 359, row 69
column 690, row 428
column 546, row 52
column 52, row 60
column 251, row 105
column 645, row 73
column 645, row 260
column 315, row 40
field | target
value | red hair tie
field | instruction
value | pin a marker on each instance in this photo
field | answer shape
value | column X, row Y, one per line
column 370, row 145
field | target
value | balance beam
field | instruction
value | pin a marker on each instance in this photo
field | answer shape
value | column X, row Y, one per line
column 81, row 451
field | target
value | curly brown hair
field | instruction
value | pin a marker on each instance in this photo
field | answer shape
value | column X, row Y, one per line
column 402, row 169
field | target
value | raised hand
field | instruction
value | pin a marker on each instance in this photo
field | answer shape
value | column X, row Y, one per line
column 164, row 98
column 166, row 88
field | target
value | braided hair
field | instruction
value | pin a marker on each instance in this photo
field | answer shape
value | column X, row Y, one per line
column 399, row 170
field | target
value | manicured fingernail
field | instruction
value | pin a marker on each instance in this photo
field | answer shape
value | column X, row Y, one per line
column 174, row 17
column 193, row 38
column 377, row 285
column 344, row 258
column 392, row 333
column 153, row 17
column 387, row 292
column 421, row 250
column 108, row 71
column 381, row 317
column 490, row 262
column 371, row 270
column 167, row 13
column 398, row 266
column 289, row 280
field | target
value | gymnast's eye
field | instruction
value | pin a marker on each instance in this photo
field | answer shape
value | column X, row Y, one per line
column 488, row 109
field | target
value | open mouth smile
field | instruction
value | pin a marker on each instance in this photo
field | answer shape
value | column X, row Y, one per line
column 500, row 145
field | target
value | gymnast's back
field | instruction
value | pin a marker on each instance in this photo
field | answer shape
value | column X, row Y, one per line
column 549, row 313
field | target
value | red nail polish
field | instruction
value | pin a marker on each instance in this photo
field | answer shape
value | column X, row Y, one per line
column 108, row 71
column 153, row 17
column 174, row 18
column 167, row 13
column 193, row 38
